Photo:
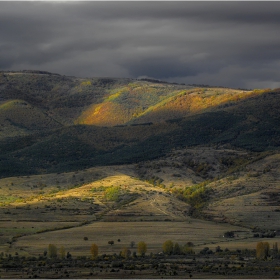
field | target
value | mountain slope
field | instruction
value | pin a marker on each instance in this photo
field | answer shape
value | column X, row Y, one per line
column 52, row 123
column 127, row 103
column 193, row 101
column 18, row 116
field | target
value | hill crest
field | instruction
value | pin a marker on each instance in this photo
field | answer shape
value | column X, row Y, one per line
column 53, row 122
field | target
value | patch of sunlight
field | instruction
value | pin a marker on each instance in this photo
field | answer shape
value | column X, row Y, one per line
column 114, row 96
column 85, row 83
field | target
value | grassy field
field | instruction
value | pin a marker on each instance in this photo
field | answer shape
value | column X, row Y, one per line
column 64, row 208
column 154, row 234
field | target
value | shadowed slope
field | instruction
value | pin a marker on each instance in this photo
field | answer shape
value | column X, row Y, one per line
column 40, row 135
column 243, row 125
column 19, row 117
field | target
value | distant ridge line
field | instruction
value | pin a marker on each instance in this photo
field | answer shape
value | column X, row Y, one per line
column 151, row 80
column 31, row 72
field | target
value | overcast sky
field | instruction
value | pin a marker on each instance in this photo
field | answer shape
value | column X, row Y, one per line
column 234, row 44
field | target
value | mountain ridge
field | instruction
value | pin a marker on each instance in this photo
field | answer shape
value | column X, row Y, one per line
column 73, row 123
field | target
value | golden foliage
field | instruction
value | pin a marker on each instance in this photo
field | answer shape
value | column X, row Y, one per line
column 86, row 83
column 262, row 250
column 142, row 248
column 167, row 247
column 94, row 250
column 145, row 103
column 62, row 252
column 126, row 253
column 52, row 250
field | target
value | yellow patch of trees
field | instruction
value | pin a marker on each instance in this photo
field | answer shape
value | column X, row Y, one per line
column 94, row 251
column 142, row 248
column 262, row 250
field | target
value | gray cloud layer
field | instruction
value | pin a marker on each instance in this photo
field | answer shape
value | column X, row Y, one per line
column 235, row 44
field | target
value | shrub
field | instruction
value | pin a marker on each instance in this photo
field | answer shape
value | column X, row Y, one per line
column 229, row 234
column 177, row 249
column 190, row 244
column 206, row 251
column 167, row 247
column 126, row 253
column 112, row 193
column 142, row 248
column 187, row 249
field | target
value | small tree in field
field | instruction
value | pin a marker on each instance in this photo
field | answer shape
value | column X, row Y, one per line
column 186, row 249
column 52, row 250
column 275, row 250
column 142, row 248
column 176, row 249
column 94, row 250
column 262, row 250
column 62, row 252
column 126, row 253
column 167, row 247
column 275, row 247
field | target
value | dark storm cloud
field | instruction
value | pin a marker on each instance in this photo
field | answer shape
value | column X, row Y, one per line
column 218, row 43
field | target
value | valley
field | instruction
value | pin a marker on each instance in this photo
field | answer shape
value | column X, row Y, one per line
column 66, row 208
column 97, row 160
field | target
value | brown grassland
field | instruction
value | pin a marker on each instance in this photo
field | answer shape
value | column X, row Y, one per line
column 75, row 210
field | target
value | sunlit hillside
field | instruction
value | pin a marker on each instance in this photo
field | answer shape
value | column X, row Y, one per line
column 106, row 101
column 193, row 101
column 52, row 123
column 129, row 103
column 142, row 103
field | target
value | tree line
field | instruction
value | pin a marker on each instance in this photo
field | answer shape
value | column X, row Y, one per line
column 263, row 250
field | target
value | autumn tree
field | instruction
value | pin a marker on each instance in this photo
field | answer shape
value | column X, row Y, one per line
column 62, row 252
column 126, row 253
column 275, row 247
column 275, row 250
column 52, row 250
column 167, row 247
column 262, row 250
column 176, row 249
column 142, row 248
column 186, row 249
column 94, row 250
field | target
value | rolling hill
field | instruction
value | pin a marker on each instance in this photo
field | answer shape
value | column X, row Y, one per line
column 56, row 123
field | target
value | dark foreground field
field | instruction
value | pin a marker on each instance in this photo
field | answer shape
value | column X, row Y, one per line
column 230, row 264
